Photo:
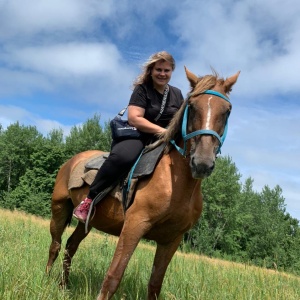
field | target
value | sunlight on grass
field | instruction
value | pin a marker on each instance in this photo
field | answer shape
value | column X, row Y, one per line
column 24, row 248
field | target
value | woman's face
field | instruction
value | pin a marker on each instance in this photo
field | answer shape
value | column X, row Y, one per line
column 161, row 74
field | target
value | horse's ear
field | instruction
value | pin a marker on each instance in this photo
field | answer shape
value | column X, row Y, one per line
column 193, row 79
column 230, row 81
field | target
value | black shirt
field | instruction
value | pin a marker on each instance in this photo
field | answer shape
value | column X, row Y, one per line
column 145, row 96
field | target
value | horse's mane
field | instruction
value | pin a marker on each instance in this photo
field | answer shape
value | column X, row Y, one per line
column 173, row 132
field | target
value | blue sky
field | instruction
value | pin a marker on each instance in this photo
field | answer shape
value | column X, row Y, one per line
column 63, row 61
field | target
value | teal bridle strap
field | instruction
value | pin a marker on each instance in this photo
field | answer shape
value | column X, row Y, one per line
column 188, row 136
column 211, row 92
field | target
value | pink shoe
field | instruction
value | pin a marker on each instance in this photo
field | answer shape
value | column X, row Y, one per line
column 82, row 210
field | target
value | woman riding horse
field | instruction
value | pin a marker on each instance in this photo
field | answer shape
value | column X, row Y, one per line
column 167, row 203
column 152, row 105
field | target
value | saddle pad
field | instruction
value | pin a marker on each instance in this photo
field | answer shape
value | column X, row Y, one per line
column 148, row 161
column 80, row 175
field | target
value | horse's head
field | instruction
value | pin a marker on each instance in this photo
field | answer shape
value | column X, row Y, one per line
column 203, row 121
column 207, row 111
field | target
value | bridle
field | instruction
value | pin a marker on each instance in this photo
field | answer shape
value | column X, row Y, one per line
column 188, row 136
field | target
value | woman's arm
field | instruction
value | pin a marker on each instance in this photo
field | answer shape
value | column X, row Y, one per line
column 136, row 119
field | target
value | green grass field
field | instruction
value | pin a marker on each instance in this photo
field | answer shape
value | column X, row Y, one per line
column 25, row 241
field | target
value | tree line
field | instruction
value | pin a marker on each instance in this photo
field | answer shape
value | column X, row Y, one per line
column 237, row 223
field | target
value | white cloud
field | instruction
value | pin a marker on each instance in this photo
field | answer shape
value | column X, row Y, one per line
column 83, row 70
column 72, row 59
column 31, row 17
column 259, row 38
column 11, row 114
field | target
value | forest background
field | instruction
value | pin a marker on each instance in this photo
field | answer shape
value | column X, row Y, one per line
column 237, row 224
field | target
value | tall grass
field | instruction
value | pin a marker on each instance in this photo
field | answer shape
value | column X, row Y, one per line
column 25, row 241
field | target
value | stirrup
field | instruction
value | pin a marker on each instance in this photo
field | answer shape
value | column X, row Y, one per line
column 90, row 216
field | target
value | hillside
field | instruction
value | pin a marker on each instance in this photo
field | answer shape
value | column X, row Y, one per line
column 24, row 248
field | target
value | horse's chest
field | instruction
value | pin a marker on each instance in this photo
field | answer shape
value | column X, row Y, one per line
column 174, row 224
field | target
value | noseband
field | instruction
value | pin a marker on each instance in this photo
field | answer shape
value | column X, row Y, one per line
column 188, row 136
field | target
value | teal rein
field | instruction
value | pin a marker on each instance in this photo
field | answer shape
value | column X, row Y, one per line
column 188, row 136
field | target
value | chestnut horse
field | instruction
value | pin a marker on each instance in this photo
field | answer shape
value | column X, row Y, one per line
column 167, row 203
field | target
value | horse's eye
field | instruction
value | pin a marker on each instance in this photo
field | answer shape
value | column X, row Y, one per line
column 228, row 111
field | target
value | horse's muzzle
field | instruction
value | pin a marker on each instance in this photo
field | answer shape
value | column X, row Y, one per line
column 201, row 168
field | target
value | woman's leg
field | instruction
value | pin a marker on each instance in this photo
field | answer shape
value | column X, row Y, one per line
column 122, row 157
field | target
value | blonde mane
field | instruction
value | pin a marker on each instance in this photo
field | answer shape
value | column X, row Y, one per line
column 173, row 132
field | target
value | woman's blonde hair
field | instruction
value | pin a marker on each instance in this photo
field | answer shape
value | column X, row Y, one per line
column 145, row 76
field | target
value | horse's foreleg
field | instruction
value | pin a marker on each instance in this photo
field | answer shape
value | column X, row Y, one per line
column 71, row 247
column 129, row 238
column 61, row 216
column 163, row 256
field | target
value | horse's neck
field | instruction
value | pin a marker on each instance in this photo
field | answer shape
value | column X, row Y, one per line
column 185, row 190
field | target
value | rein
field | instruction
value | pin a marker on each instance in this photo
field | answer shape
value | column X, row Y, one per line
column 188, row 136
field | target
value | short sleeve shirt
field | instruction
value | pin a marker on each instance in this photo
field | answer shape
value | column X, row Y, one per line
column 145, row 96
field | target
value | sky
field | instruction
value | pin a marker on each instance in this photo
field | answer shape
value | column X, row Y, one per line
column 62, row 62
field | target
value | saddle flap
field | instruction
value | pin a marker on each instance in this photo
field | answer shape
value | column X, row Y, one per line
column 144, row 167
column 148, row 161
